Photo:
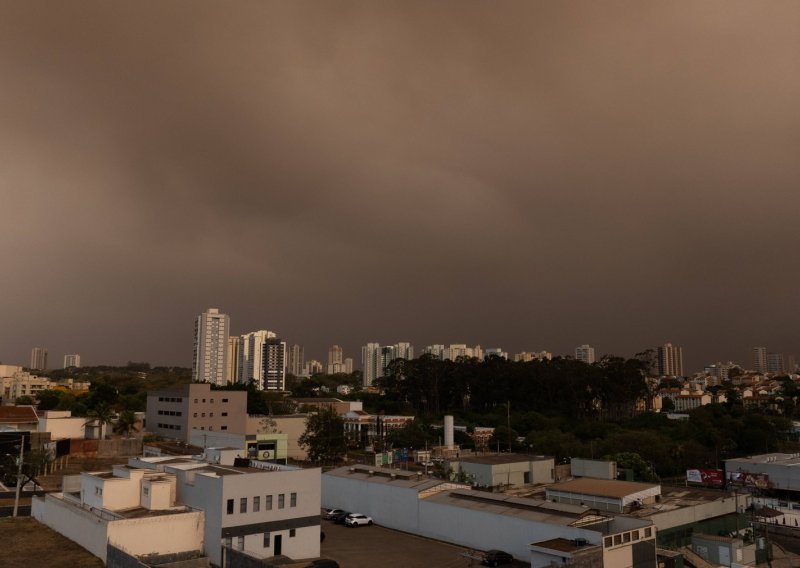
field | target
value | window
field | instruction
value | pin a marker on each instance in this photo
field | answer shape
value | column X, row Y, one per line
column 212, row 401
column 224, row 428
column 230, row 506
column 195, row 415
column 281, row 501
column 243, row 505
column 617, row 539
column 211, row 415
column 256, row 504
column 266, row 540
column 240, row 543
column 268, row 503
column 626, row 537
column 224, row 400
column 293, row 500
column 204, row 400
column 224, row 413
column 98, row 490
column 146, row 491
column 228, row 542
column 648, row 533
column 607, row 541
column 635, row 535
column 292, row 532
column 195, row 401
column 203, row 415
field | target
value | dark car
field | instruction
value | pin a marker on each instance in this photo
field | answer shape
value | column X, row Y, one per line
column 339, row 517
column 324, row 563
column 497, row 558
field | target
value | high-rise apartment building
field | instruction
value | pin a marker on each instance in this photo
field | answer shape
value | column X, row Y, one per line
column 760, row 359
column 262, row 359
column 528, row 356
column 496, row 352
column 775, row 363
column 312, row 367
column 39, row 358
column 232, row 373
column 295, row 360
column 274, row 364
column 210, row 354
column 371, row 363
column 436, row 350
column 335, row 355
column 670, row 360
column 72, row 361
column 585, row 353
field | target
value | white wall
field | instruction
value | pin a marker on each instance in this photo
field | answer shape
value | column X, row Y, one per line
column 165, row 534
column 395, row 507
column 484, row 530
column 61, row 428
column 74, row 523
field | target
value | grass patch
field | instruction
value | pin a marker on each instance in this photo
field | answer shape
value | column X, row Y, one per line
column 26, row 542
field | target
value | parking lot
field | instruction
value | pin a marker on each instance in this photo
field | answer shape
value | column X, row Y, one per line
column 367, row 547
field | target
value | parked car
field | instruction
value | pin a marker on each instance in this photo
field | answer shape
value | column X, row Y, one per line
column 497, row 558
column 330, row 513
column 340, row 517
column 324, row 563
column 357, row 519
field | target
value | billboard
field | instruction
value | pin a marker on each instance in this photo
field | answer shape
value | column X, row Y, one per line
column 705, row 476
column 759, row 480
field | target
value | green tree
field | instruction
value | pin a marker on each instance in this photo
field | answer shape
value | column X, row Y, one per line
column 324, row 438
column 23, row 400
column 126, row 423
column 48, row 399
column 100, row 416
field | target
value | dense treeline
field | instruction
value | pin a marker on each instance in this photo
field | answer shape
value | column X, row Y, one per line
column 566, row 408
column 428, row 386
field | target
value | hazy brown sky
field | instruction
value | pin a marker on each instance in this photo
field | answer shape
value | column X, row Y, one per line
column 530, row 175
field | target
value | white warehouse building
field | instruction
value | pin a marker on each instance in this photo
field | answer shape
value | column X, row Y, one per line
column 529, row 529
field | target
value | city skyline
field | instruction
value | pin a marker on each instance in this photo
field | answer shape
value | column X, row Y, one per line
column 534, row 177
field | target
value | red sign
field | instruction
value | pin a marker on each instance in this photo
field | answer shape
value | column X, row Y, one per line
column 705, row 476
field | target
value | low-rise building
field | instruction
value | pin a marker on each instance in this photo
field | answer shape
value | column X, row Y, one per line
column 62, row 425
column 174, row 414
column 604, row 494
column 129, row 508
column 454, row 513
column 263, row 511
column 499, row 470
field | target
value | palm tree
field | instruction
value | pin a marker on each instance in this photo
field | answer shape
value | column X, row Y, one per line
column 100, row 415
column 126, row 423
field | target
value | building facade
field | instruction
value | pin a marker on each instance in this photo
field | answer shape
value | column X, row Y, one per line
column 38, row 359
column 210, row 353
column 73, row 360
column 252, row 359
column 760, row 359
column 174, row 414
column 670, row 360
column 295, row 360
column 585, row 353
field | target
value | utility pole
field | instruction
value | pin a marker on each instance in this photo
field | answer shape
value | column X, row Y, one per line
column 19, row 473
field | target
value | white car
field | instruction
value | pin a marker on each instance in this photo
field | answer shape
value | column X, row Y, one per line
column 357, row 519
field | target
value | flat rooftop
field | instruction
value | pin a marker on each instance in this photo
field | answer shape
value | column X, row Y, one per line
column 529, row 509
column 775, row 459
column 601, row 487
column 679, row 497
column 384, row 476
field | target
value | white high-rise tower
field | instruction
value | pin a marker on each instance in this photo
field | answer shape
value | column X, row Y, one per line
column 210, row 355
column 585, row 353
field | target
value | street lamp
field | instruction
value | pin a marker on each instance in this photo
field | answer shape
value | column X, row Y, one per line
column 19, row 475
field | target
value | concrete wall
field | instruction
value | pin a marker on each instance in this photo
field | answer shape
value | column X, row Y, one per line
column 62, row 427
column 119, row 447
column 167, row 534
column 292, row 425
column 395, row 507
column 74, row 523
column 696, row 513
column 599, row 469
